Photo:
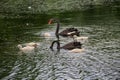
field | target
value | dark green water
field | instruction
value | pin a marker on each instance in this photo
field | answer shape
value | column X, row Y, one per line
column 100, row 61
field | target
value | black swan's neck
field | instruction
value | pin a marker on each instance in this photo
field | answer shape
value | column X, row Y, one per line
column 58, row 45
column 57, row 30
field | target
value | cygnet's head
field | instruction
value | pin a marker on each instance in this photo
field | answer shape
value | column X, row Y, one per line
column 46, row 34
column 74, row 36
column 19, row 46
column 35, row 45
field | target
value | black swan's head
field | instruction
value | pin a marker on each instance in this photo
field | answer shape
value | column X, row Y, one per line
column 53, row 20
column 58, row 45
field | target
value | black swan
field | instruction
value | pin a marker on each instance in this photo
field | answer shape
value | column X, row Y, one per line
column 66, row 32
column 72, row 46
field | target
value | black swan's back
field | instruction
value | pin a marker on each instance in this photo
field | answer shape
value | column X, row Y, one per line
column 68, row 46
column 69, row 32
column 72, row 45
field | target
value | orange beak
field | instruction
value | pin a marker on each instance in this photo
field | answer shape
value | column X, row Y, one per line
column 50, row 21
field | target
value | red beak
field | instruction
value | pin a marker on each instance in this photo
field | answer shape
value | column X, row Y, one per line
column 50, row 21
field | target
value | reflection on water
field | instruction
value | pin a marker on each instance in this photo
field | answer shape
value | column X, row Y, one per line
column 100, row 61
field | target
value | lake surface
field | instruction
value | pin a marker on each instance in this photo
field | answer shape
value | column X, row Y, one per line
column 99, row 61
